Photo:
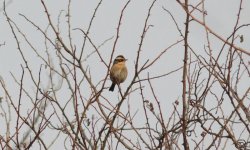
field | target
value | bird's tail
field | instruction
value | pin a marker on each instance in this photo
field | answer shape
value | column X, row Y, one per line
column 112, row 87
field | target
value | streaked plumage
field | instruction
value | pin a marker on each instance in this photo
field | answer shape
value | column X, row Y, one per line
column 118, row 72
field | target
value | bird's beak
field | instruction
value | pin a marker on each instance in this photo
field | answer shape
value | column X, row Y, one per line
column 126, row 59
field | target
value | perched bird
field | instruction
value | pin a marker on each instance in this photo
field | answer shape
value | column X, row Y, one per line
column 118, row 72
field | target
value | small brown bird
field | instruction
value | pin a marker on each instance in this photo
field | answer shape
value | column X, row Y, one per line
column 118, row 72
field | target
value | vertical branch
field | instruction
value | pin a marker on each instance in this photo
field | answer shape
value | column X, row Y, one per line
column 184, row 82
column 89, row 27
column 143, row 37
column 18, row 111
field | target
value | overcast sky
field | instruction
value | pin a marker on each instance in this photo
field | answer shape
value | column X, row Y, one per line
column 221, row 18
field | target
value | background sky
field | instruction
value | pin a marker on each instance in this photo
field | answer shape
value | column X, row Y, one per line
column 221, row 18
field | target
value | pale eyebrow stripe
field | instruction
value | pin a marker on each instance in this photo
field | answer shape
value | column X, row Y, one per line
column 119, row 59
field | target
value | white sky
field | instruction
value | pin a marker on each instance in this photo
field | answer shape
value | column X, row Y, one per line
column 221, row 18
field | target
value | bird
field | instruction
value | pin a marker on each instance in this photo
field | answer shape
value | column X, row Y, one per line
column 118, row 71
